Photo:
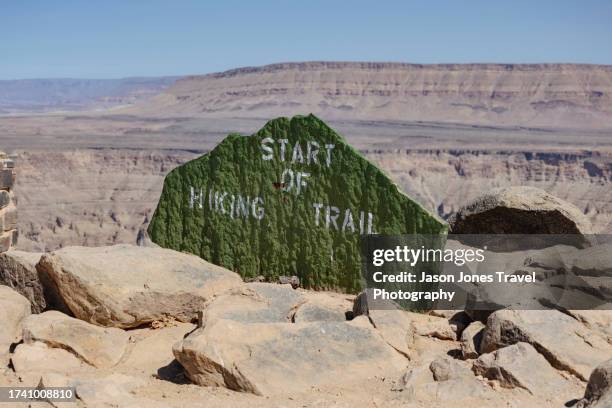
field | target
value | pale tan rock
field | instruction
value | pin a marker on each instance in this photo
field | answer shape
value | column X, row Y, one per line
column 446, row 368
column 104, row 390
column 322, row 306
column 14, row 308
column 296, row 356
column 8, row 216
column 98, row 346
column 433, row 326
column 127, row 286
column 32, row 360
column 255, row 303
column 441, row 380
column 565, row 342
column 520, row 365
column 150, row 353
column 599, row 321
column 113, row 390
column 396, row 328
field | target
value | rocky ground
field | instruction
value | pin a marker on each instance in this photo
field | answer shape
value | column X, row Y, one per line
column 263, row 344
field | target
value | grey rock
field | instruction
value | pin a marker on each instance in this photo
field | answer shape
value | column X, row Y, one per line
column 7, row 179
column 360, row 306
column 471, row 339
column 598, row 393
column 294, row 281
column 18, row 271
column 5, row 198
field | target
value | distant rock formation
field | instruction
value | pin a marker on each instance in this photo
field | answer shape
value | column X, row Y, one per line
column 543, row 95
column 71, row 94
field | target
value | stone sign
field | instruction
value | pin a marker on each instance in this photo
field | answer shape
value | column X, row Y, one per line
column 292, row 199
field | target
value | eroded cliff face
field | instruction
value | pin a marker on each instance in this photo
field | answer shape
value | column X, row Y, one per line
column 551, row 95
column 444, row 180
column 88, row 197
column 101, row 197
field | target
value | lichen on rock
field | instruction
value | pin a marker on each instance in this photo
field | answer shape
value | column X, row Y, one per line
column 292, row 199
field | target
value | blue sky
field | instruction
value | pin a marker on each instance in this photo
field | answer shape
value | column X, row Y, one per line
column 110, row 39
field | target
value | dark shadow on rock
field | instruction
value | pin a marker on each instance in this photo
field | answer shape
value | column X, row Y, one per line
column 174, row 373
column 571, row 403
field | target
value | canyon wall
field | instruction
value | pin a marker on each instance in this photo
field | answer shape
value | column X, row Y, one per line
column 101, row 197
column 550, row 95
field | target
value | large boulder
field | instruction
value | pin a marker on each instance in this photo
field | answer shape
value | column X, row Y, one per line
column 292, row 199
column 519, row 210
column 521, row 366
column 13, row 309
column 97, row 346
column 270, row 358
column 128, row 286
column 598, row 393
column 565, row 342
column 18, row 270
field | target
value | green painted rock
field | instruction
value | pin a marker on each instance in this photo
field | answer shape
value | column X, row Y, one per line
column 292, row 199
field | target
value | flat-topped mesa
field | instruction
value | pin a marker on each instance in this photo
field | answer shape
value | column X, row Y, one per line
column 569, row 96
column 8, row 209
column 292, row 199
